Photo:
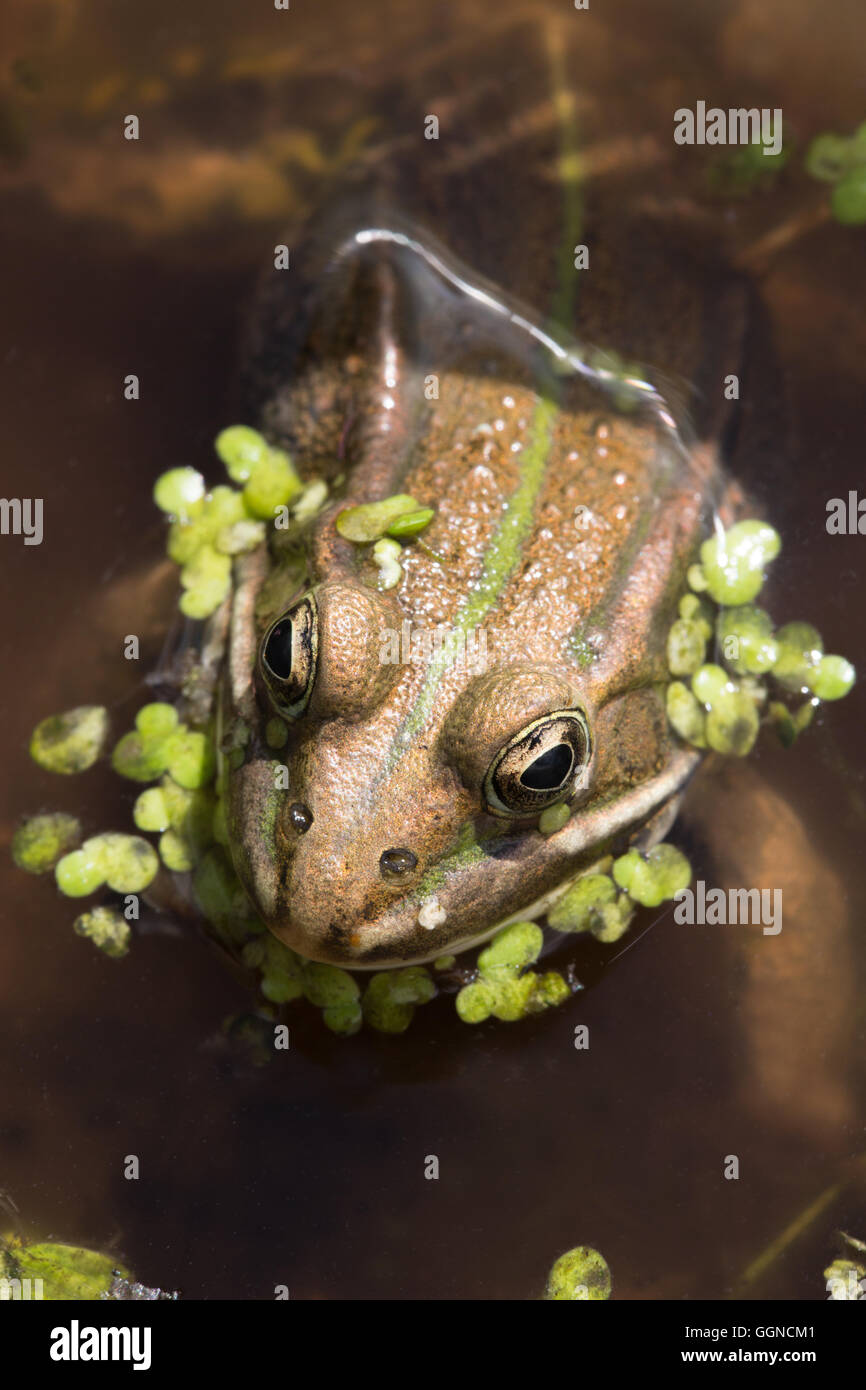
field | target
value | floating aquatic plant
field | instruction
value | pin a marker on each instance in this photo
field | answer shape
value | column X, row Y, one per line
column 724, row 703
column 70, row 742
column 59, row 1273
column 39, row 842
column 580, row 1274
column 506, row 988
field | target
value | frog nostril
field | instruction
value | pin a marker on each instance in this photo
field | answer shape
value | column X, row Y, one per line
column 301, row 817
column 396, row 863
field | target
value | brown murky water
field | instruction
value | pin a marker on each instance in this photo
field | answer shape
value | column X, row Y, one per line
column 704, row 1042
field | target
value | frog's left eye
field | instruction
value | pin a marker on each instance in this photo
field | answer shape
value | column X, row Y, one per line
column 540, row 765
column 287, row 659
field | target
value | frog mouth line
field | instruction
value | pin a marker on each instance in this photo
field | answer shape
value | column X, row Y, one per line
column 635, row 811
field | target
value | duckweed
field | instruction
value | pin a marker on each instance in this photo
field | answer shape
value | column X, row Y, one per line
column 841, row 161
column 551, row 989
column 371, row 520
column 711, row 683
column 475, row 1001
column 512, row 948
column 222, row 899
column 789, row 723
column 209, row 528
column 137, row 759
column 830, row 156
column 345, row 1019
column 513, row 996
column 800, row 649
column 733, row 725
column 142, row 755
column 190, row 812
column 391, row 997
column 848, row 198
column 687, row 646
column 654, row 877
column 191, row 760
column 70, row 742
column 150, row 811
column 40, row 841
column 745, row 634
column 553, row 818
column 723, row 709
column 581, row 1273
column 207, row 580
column 833, row 678
column 733, row 562
column 685, row 714
column 311, row 501
column 696, row 578
column 444, row 962
column 69, row 1273
column 696, row 609
column 411, row 523
column 845, row 1279
column 281, row 969
column 156, row 721
column 175, row 852
column 732, row 720
column 386, row 555
column 180, row 492
column 276, row 733
column 242, row 450
column 271, row 485
column 593, row 904
column 107, row 929
column 240, row 537
column 79, row 874
column 325, row 985
column 221, row 509
column 502, row 991
column 126, row 863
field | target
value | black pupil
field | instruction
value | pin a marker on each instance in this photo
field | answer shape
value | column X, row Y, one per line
column 278, row 650
column 550, row 769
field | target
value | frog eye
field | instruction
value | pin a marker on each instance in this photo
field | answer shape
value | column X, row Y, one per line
column 540, row 765
column 287, row 659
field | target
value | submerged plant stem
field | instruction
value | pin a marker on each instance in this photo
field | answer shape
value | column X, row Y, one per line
column 757, row 257
column 798, row 1227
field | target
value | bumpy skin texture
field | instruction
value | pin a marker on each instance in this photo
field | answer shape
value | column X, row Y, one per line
column 562, row 531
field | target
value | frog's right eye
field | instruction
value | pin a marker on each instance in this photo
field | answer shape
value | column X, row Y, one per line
column 539, row 766
column 287, row 659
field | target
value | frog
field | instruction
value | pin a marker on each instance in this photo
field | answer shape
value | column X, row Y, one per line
column 401, row 819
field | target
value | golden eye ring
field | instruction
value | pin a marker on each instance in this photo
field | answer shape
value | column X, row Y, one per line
column 540, row 765
column 288, row 656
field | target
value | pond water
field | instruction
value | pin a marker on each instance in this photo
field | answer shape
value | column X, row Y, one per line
column 706, row 1041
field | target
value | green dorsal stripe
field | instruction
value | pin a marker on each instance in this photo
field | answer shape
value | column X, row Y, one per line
column 500, row 559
